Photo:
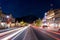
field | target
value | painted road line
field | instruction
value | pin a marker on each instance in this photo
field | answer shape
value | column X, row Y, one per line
column 12, row 35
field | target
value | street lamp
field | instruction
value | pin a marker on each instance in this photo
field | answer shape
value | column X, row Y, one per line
column 7, row 16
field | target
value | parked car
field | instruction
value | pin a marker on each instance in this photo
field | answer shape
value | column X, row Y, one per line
column 3, row 25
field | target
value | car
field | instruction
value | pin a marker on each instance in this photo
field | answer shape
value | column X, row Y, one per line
column 3, row 25
column 44, row 26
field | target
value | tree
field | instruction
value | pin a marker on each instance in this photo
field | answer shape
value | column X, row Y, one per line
column 38, row 22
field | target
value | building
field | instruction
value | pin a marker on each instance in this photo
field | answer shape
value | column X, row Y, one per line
column 53, row 18
column 50, row 17
column 4, row 18
column 57, row 17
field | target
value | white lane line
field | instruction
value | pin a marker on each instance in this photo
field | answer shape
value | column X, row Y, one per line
column 10, row 36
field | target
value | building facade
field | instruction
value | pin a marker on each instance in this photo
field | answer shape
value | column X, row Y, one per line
column 53, row 18
column 6, row 19
column 57, row 17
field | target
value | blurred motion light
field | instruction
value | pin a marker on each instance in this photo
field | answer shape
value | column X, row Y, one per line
column 52, row 25
column 44, row 24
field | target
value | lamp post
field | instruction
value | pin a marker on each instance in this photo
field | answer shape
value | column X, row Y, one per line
column 8, row 20
column 7, row 17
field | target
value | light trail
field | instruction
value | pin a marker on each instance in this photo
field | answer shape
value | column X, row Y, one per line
column 14, row 34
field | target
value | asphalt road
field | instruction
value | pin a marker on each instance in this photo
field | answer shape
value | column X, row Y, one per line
column 27, row 34
column 8, row 29
column 44, row 35
column 20, row 36
column 40, row 34
column 53, row 34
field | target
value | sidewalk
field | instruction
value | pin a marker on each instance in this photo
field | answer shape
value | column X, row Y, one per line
column 30, row 35
column 4, row 30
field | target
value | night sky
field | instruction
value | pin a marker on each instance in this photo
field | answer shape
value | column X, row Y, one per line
column 20, row 8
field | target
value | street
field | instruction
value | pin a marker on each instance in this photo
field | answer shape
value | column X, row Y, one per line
column 19, row 36
column 45, row 35
column 29, row 33
column 4, row 30
column 29, row 19
column 10, row 34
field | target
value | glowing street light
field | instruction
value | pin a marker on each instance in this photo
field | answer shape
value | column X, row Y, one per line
column 7, row 16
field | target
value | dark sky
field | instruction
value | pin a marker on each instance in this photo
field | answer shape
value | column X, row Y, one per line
column 20, row 8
